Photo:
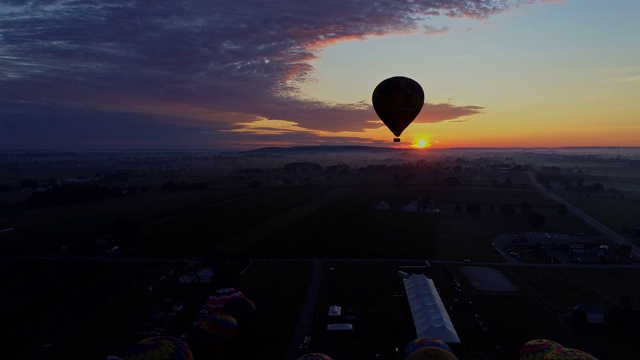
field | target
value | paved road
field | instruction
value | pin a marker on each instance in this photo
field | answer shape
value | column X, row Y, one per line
column 606, row 231
column 306, row 316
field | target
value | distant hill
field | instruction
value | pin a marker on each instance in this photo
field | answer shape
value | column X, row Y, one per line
column 326, row 149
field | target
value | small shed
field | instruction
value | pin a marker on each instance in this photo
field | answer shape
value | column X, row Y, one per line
column 335, row 310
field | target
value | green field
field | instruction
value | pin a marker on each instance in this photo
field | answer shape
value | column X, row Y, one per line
column 98, row 308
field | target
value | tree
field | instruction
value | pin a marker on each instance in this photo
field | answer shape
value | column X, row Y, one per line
column 597, row 188
column 536, row 219
column 579, row 317
column 508, row 209
column 169, row 187
column 474, row 208
column 623, row 251
column 562, row 209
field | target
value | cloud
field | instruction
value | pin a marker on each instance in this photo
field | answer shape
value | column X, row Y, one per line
column 228, row 57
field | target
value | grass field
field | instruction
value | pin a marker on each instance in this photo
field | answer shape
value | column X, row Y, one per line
column 99, row 307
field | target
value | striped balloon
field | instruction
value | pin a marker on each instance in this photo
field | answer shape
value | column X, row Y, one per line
column 568, row 354
column 218, row 331
column 159, row 348
column 423, row 342
column 536, row 349
column 220, row 297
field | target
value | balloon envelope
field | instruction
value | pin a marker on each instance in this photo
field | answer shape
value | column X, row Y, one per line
column 423, row 342
column 218, row 330
column 536, row 349
column 220, row 297
column 397, row 101
column 159, row 348
column 315, row 356
column 243, row 309
column 568, row 354
column 431, row 353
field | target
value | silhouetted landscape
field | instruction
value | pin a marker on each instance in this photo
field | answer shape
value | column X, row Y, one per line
column 101, row 249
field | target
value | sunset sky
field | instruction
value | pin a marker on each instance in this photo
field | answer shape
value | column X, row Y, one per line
column 245, row 74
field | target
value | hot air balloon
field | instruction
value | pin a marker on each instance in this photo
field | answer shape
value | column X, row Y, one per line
column 218, row 331
column 397, row 101
column 424, row 342
column 217, row 300
column 536, row 349
column 431, row 353
column 159, row 348
column 315, row 356
column 243, row 309
column 568, row 354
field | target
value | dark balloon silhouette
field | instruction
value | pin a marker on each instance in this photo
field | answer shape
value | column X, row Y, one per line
column 421, row 342
column 568, row 354
column 536, row 349
column 397, row 101
column 431, row 353
column 218, row 331
column 159, row 348
column 243, row 309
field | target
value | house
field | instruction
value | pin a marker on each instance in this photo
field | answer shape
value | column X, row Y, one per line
column 335, row 310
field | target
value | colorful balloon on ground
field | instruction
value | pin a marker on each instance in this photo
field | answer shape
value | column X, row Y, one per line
column 159, row 348
column 423, row 342
column 568, row 354
column 218, row 331
column 397, row 101
column 242, row 308
column 536, row 349
column 431, row 353
column 220, row 297
column 315, row 356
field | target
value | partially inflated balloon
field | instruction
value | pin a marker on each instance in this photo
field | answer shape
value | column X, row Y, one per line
column 536, row 349
column 159, row 348
column 431, row 353
column 397, row 101
column 424, row 342
column 315, row 356
column 568, row 354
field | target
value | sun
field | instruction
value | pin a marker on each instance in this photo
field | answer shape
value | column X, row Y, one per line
column 421, row 144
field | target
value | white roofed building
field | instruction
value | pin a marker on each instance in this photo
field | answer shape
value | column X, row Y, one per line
column 429, row 314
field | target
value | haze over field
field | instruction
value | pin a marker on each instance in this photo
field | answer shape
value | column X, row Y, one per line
column 244, row 75
column 512, row 236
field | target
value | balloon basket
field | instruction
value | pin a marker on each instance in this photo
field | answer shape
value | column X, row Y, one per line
column 396, row 139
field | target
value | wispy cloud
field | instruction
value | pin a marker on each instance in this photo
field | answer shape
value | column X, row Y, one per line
column 231, row 57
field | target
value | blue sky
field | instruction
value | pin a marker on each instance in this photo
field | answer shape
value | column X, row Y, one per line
column 81, row 74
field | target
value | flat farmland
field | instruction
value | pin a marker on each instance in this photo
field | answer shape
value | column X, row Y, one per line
column 325, row 218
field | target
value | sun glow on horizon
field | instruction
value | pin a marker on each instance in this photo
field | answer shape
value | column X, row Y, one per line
column 421, row 143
